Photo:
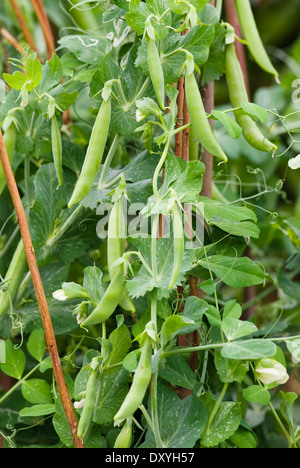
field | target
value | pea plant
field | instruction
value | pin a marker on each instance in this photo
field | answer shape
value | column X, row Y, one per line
column 131, row 240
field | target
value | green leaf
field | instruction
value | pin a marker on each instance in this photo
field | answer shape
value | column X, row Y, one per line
column 244, row 438
column 14, row 361
column 230, row 370
column 33, row 69
column 232, row 309
column 249, row 349
column 255, row 111
column 213, row 316
column 88, row 49
column 294, row 348
column 73, row 290
column 37, row 410
column 121, row 342
column 236, row 220
column 37, row 391
column 36, row 344
column 144, row 282
column 257, row 394
column 181, row 422
column 113, row 390
column 93, row 283
column 224, row 424
column 234, row 328
column 15, row 81
column 52, row 74
column 175, row 325
column 235, row 272
column 177, row 371
column 232, row 128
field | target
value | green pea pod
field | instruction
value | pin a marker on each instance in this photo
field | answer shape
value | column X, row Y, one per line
column 14, row 276
column 124, row 438
column 108, row 303
column 89, row 403
column 252, row 36
column 156, row 72
column 116, row 247
column 140, row 383
column 178, row 242
column 199, row 119
column 10, row 144
column 57, row 149
column 94, row 154
column 238, row 95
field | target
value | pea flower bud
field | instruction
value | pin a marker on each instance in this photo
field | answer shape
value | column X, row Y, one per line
column 270, row 371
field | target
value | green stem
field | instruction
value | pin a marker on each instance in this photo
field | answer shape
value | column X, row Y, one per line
column 153, row 245
column 216, row 407
column 154, row 411
column 159, row 167
column 12, row 389
column 108, row 161
column 27, row 180
column 279, row 422
column 64, row 228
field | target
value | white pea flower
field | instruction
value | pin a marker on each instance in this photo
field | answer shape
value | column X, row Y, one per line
column 270, row 371
column 79, row 404
column 60, row 295
column 139, row 116
column 294, row 163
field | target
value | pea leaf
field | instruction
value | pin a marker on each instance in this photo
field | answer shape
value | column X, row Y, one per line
column 37, row 391
column 235, row 329
column 177, row 371
column 88, row 49
column 235, row 272
column 224, row 424
column 257, row 394
column 249, row 349
column 181, row 422
column 233, row 129
column 36, row 344
column 255, row 111
column 15, row 360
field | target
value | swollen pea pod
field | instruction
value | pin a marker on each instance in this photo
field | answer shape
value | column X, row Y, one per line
column 57, row 149
column 10, row 144
column 108, row 303
column 89, row 402
column 178, row 242
column 140, row 383
column 14, row 276
column 252, row 36
column 125, row 436
column 199, row 119
column 94, row 154
column 156, row 72
column 116, row 247
column 238, row 95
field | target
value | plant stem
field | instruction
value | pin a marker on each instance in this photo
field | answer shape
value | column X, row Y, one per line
column 155, row 223
column 216, row 407
column 40, row 294
column 154, row 410
column 67, row 224
column 279, row 422
column 159, row 167
column 108, row 161
column 24, row 27
column 12, row 389
column 45, row 25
